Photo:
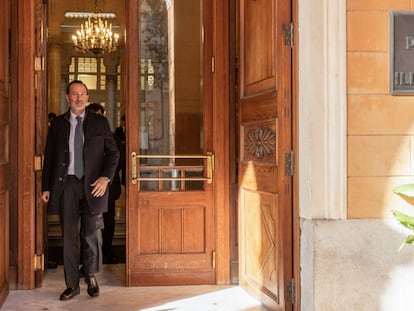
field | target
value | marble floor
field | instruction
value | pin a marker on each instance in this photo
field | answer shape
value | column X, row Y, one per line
column 115, row 296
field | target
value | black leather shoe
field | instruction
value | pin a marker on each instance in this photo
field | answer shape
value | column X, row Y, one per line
column 93, row 288
column 69, row 293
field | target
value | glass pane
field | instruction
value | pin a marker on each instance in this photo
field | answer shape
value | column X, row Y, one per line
column 103, row 67
column 194, row 185
column 72, row 65
column 89, row 80
column 171, row 92
column 103, row 82
column 172, row 185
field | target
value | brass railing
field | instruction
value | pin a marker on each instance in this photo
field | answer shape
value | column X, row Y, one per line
column 209, row 163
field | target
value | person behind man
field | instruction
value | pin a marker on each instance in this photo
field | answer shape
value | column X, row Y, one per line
column 50, row 117
column 114, row 194
column 80, row 160
column 120, row 132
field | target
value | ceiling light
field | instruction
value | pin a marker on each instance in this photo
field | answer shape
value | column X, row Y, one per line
column 95, row 35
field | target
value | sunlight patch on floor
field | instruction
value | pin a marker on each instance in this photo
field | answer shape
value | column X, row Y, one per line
column 215, row 301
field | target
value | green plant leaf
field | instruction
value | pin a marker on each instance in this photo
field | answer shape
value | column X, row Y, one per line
column 405, row 220
column 407, row 190
column 408, row 240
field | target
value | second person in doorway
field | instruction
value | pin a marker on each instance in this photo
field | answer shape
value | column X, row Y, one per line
column 114, row 194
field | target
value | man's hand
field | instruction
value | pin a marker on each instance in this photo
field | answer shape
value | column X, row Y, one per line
column 45, row 196
column 99, row 186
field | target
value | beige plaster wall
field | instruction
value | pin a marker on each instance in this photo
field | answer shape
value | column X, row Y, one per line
column 355, row 145
column 380, row 129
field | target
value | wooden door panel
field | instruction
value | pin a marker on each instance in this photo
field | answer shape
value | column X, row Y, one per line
column 4, row 150
column 265, row 198
column 258, row 40
column 173, row 239
column 261, row 249
column 172, row 227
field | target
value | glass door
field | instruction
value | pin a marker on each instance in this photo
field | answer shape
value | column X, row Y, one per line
column 170, row 204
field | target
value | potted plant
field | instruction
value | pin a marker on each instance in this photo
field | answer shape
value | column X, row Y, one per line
column 406, row 192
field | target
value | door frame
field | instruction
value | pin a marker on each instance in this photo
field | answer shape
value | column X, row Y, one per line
column 221, row 126
column 5, row 171
column 23, row 117
column 295, row 147
column 23, row 92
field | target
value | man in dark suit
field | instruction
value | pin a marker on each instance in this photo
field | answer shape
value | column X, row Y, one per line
column 80, row 160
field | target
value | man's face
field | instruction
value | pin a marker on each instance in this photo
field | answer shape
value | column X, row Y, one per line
column 77, row 98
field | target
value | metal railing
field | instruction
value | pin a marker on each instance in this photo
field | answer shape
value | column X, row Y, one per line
column 209, row 157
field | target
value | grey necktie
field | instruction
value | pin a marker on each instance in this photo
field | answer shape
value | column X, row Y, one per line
column 78, row 148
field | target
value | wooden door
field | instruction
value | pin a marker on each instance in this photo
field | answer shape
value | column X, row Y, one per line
column 41, row 132
column 23, row 136
column 4, row 150
column 170, row 236
column 265, row 181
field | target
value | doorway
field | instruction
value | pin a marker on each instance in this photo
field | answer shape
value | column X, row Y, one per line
column 102, row 73
column 210, row 181
column 169, row 80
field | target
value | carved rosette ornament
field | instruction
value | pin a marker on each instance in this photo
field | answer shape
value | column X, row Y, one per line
column 261, row 142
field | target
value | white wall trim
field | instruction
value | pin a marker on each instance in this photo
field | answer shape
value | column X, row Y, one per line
column 322, row 109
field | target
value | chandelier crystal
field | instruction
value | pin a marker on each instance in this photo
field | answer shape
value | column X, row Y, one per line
column 95, row 35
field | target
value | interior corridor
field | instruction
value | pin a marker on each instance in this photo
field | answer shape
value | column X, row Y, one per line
column 115, row 296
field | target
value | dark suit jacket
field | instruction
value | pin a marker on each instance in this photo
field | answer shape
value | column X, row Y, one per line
column 115, row 190
column 119, row 131
column 101, row 156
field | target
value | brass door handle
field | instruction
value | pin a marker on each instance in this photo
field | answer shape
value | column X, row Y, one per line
column 134, row 167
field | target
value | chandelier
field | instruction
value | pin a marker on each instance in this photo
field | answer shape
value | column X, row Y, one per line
column 95, row 35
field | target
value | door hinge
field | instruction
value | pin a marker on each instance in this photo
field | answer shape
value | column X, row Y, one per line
column 288, row 34
column 39, row 262
column 38, row 162
column 289, row 163
column 39, row 63
column 213, row 64
column 291, row 291
column 213, row 259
